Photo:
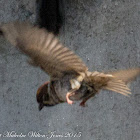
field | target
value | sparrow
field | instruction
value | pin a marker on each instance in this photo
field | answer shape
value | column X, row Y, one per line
column 70, row 79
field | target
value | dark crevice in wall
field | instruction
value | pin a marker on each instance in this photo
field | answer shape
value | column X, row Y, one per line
column 50, row 15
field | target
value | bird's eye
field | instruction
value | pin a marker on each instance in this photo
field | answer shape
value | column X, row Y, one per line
column 46, row 98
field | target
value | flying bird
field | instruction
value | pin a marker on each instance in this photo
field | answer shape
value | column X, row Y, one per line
column 70, row 79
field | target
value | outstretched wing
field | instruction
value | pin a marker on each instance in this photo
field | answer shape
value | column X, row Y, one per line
column 43, row 48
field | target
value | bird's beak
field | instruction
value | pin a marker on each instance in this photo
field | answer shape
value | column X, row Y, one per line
column 40, row 106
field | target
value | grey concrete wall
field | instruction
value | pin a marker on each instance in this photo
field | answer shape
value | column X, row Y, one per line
column 106, row 34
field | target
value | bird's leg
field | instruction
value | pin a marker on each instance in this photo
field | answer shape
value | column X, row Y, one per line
column 75, row 85
column 70, row 93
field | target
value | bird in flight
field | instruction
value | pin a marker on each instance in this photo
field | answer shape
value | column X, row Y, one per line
column 70, row 79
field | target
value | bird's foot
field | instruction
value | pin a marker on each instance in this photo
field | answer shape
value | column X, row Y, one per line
column 67, row 98
column 83, row 104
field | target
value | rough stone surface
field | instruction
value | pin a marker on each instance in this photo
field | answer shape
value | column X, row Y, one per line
column 106, row 34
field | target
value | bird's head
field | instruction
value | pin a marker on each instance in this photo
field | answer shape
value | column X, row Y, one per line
column 43, row 97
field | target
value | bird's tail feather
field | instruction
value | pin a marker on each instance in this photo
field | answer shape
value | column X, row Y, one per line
column 118, row 86
column 116, row 81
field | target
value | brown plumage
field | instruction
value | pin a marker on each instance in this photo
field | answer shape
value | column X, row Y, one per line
column 70, row 79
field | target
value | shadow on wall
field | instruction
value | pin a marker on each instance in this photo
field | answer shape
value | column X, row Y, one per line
column 50, row 14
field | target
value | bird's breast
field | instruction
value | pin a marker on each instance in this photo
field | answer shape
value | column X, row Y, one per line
column 63, row 86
